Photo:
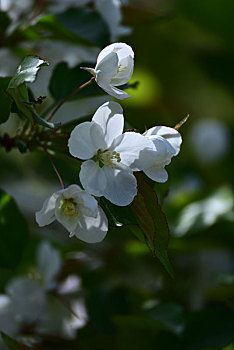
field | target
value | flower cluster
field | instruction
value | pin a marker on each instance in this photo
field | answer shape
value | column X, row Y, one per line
column 110, row 156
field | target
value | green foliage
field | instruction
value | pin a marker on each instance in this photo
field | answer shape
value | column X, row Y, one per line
column 5, row 21
column 152, row 222
column 13, row 232
column 80, row 26
column 26, row 71
column 71, row 78
column 13, row 344
column 5, row 100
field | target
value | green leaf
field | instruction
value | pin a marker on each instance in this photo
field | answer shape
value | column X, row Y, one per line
column 43, row 122
column 71, row 78
column 27, row 71
column 5, row 100
column 5, row 21
column 13, row 232
column 170, row 315
column 87, row 24
column 12, row 343
column 80, row 26
column 152, row 222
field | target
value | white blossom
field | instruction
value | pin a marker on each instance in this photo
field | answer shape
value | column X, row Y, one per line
column 110, row 155
column 167, row 143
column 77, row 211
column 114, row 67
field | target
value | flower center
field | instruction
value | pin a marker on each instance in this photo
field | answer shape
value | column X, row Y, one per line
column 106, row 157
column 69, row 207
column 121, row 68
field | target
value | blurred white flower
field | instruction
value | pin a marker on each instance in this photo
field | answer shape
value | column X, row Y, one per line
column 210, row 140
column 206, row 212
column 114, row 67
column 77, row 211
column 26, row 297
column 111, row 156
column 110, row 10
column 167, row 143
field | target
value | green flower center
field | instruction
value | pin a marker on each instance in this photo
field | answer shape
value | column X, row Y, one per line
column 106, row 157
column 69, row 207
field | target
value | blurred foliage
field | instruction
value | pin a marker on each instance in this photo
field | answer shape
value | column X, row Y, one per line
column 184, row 65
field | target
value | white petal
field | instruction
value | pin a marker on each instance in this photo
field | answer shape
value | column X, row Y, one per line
column 170, row 134
column 115, row 92
column 47, row 214
column 163, row 151
column 71, row 191
column 92, row 178
column 121, row 187
column 124, row 73
column 88, row 204
column 136, row 151
column 122, row 49
column 97, row 137
column 49, row 263
column 157, row 174
column 110, row 117
column 90, row 229
column 80, row 142
column 106, row 69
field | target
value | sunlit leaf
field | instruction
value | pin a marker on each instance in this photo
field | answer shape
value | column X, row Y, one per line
column 26, row 71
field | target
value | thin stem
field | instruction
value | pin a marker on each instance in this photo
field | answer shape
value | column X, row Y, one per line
column 54, row 166
column 68, row 97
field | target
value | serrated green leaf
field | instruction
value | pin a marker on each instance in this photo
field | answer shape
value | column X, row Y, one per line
column 26, row 71
column 152, row 222
column 12, row 343
column 5, row 100
column 13, row 232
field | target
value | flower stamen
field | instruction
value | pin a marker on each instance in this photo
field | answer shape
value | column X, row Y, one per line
column 69, row 207
column 106, row 157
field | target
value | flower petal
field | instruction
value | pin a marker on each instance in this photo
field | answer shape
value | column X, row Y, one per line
column 170, row 134
column 47, row 214
column 123, row 50
column 136, row 151
column 90, row 229
column 121, row 186
column 157, row 174
column 115, row 92
column 92, row 178
column 80, row 143
column 88, row 205
column 106, row 69
column 110, row 117
column 124, row 73
column 97, row 137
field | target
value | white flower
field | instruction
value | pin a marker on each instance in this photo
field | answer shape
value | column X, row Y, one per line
column 110, row 10
column 111, row 156
column 114, row 68
column 78, row 211
column 167, row 143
